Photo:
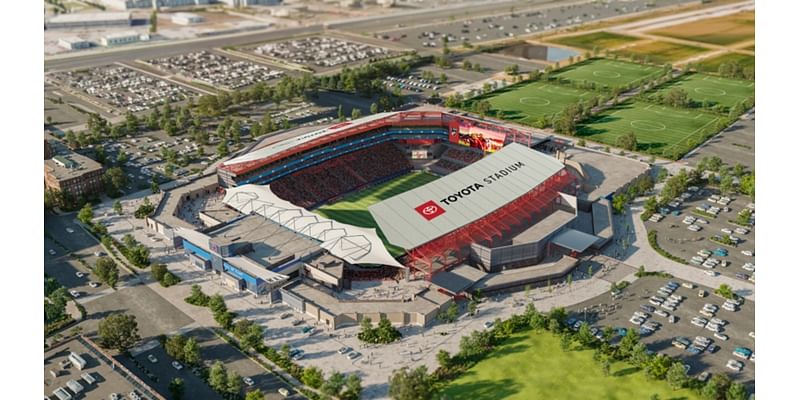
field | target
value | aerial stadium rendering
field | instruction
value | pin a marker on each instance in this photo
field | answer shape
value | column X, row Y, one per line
column 434, row 201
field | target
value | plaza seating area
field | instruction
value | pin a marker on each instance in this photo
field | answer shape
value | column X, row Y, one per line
column 316, row 185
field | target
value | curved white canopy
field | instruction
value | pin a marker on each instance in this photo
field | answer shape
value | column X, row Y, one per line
column 353, row 244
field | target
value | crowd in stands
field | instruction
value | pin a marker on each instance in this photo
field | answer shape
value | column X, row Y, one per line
column 455, row 158
column 316, row 185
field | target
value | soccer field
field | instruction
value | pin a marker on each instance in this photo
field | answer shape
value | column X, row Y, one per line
column 526, row 103
column 352, row 209
column 715, row 90
column 608, row 73
column 663, row 131
column 531, row 365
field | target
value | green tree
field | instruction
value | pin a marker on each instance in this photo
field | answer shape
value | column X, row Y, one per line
column 106, row 269
column 175, row 347
column 373, row 108
column 716, row 387
column 676, row 376
column 117, row 207
column 355, row 113
column 407, row 384
column 191, row 352
column 483, row 107
column 444, row 359
column 627, row 141
column 736, row 391
column 158, row 271
column 153, row 22
column 254, row 395
column 86, row 214
column 119, row 332
column 333, row 385
column 253, row 336
column 658, row 366
column 352, row 388
column 222, row 149
column 233, row 384
column 217, row 377
column 176, row 388
column 312, row 376
column 340, row 113
column 115, row 180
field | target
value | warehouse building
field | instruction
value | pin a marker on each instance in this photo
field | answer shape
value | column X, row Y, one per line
column 74, row 43
column 88, row 20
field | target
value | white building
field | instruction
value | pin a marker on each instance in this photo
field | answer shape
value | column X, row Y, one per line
column 74, row 43
column 129, row 4
column 85, row 20
column 186, row 19
column 116, row 39
column 247, row 3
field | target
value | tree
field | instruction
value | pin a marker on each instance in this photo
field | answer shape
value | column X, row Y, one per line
column 191, row 352
column 483, row 107
column 677, row 97
column 585, row 336
column 658, row 366
column 716, row 387
column 747, row 185
column 217, row 304
column 726, row 184
column 122, row 158
column 651, row 204
column 406, row 384
column 106, row 269
column 312, row 376
column 254, row 395
column 373, row 108
column 158, row 271
column 736, row 391
column 676, row 376
column 153, row 21
column 512, row 69
column 340, row 113
column 217, row 377
column 627, row 141
column 119, row 332
column 86, row 214
column 355, row 113
column 154, row 185
column 253, row 336
column 444, row 359
column 117, row 207
column 222, row 149
column 352, row 388
column 234, row 383
column 175, row 347
column 333, row 385
column 176, row 388
column 115, row 180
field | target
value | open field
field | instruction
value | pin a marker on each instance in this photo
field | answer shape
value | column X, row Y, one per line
column 712, row 64
column 664, row 131
column 660, row 52
column 603, row 72
column 601, row 40
column 531, row 365
column 353, row 208
column 526, row 103
column 723, row 31
column 715, row 90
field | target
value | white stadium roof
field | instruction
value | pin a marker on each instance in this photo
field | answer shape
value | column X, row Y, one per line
column 353, row 244
column 425, row 213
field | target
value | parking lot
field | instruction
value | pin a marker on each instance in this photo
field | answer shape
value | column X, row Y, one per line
column 737, row 144
column 116, row 87
column 216, row 70
column 322, row 53
column 675, row 236
column 511, row 24
column 604, row 311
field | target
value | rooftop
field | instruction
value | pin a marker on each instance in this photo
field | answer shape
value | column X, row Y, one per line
column 70, row 166
column 520, row 276
column 89, row 17
column 463, row 196
column 540, row 229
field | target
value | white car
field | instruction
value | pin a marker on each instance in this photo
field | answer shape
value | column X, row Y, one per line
column 701, row 221
column 79, row 274
column 52, row 252
column 726, row 230
column 689, row 220
column 710, row 307
column 70, row 230
column 177, row 365
column 248, row 381
column 713, row 328
column 94, row 284
column 636, row 320
column 284, row 392
column 720, row 322
column 697, row 321
column 748, row 253
column 749, row 267
column 694, row 228
column 710, row 272
column 74, row 293
column 721, row 336
column 152, row 358
column 735, row 365
column 661, row 313
column 742, row 231
column 752, row 335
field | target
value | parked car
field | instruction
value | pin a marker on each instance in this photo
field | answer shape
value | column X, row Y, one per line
column 703, row 377
column 74, row 293
column 735, row 365
column 94, row 284
column 248, row 381
column 345, row 350
column 721, row 336
column 79, row 274
column 52, row 252
column 284, row 392
column 177, row 365
column 748, row 253
column 152, row 358
column 353, row 355
column 286, row 315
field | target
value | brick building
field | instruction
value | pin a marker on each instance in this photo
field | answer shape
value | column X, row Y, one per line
column 73, row 174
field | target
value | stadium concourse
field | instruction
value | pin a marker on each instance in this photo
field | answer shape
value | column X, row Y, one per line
column 484, row 209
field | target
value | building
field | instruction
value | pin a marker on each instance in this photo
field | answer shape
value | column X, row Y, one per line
column 48, row 150
column 186, row 18
column 116, row 39
column 74, row 43
column 131, row 4
column 73, row 174
column 248, row 3
column 88, row 20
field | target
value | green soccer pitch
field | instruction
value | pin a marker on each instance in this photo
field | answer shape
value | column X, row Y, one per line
column 610, row 73
column 662, row 131
column 723, row 91
column 531, row 365
column 352, row 209
column 526, row 103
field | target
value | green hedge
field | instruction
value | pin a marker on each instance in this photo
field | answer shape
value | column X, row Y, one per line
column 652, row 237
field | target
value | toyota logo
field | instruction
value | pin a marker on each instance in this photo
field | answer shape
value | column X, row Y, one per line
column 430, row 210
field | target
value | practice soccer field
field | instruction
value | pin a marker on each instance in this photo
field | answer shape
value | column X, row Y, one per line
column 531, row 365
column 608, row 73
column 664, row 131
column 352, row 209
column 716, row 90
column 526, row 103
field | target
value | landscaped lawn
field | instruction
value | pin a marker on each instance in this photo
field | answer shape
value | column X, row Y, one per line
column 531, row 365
column 712, row 64
column 352, row 209
column 608, row 73
column 661, row 52
column 527, row 102
column 659, row 130
column 601, row 40
column 725, row 30
column 716, row 90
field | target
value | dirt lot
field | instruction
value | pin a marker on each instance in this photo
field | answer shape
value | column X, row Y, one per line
column 740, row 323
column 723, row 31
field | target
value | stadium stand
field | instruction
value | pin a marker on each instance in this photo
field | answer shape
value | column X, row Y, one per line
column 455, row 158
column 314, row 186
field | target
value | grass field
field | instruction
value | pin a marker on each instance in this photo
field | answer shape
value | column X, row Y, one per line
column 531, row 365
column 660, row 52
column 525, row 103
column 712, row 64
column 725, row 30
column 353, row 208
column 659, row 130
column 601, row 40
column 608, row 73
column 716, row 90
